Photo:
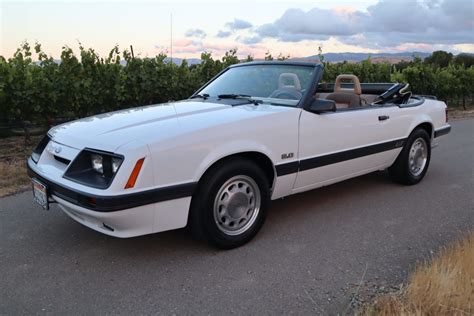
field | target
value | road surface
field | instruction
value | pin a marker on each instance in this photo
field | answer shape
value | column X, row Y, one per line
column 311, row 255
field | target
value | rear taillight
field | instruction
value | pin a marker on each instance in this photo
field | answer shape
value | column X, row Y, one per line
column 446, row 111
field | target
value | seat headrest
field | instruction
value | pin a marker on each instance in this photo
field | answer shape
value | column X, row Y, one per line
column 357, row 88
column 292, row 77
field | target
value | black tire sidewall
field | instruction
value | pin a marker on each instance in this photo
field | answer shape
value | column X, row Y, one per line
column 401, row 169
column 203, row 210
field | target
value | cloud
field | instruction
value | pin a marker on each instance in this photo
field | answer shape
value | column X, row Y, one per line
column 183, row 42
column 249, row 40
column 223, row 34
column 186, row 47
column 316, row 24
column 386, row 24
column 238, row 24
column 198, row 33
column 235, row 26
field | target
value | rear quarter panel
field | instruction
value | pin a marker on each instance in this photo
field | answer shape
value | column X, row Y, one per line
column 431, row 111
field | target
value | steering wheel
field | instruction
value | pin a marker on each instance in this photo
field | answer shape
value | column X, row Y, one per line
column 286, row 93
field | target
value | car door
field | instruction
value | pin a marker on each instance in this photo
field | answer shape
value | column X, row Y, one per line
column 334, row 146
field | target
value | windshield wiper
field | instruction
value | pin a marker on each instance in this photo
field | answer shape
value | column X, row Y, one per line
column 201, row 96
column 240, row 96
column 233, row 96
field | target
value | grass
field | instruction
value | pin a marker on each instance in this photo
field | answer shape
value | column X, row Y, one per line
column 443, row 286
column 13, row 153
column 13, row 177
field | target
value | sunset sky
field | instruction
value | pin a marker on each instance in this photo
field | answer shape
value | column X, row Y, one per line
column 254, row 27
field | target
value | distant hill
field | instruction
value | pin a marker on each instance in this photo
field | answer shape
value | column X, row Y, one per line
column 375, row 57
column 178, row 61
column 392, row 58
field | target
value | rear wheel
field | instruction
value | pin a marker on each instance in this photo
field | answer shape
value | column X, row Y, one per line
column 414, row 159
column 230, row 205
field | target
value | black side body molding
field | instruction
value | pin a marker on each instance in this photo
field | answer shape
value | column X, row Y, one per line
column 287, row 168
column 316, row 162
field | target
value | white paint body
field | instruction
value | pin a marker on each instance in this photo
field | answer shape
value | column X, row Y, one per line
column 181, row 140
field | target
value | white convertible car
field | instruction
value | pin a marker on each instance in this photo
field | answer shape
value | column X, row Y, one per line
column 256, row 132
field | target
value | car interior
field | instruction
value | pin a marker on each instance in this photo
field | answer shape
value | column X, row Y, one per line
column 348, row 97
column 289, row 87
column 347, row 92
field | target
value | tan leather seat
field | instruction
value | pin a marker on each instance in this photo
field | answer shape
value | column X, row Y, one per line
column 368, row 98
column 346, row 98
column 285, row 77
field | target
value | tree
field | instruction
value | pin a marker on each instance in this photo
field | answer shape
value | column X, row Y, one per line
column 465, row 83
column 268, row 56
column 439, row 58
column 464, row 59
column 282, row 57
column 320, row 54
column 40, row 89
column 18, row 87
column 230, row 58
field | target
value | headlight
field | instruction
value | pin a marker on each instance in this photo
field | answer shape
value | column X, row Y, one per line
column 97, row 162
column 94, row 168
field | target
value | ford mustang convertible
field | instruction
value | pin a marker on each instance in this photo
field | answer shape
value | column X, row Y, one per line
column 256, row 132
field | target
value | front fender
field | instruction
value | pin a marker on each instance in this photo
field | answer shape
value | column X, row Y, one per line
column 232, row 148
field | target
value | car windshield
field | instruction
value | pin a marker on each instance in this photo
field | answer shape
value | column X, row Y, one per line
column 275, row 84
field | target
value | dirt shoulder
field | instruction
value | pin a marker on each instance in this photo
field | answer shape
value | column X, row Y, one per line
column 441, row 286
column 455, row 114
column 13, row 154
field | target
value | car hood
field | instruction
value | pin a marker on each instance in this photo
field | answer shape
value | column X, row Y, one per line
column 146, row 124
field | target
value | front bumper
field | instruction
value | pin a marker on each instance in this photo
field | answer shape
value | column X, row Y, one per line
column 137, row 221
column 99, row 203
column 125, row 215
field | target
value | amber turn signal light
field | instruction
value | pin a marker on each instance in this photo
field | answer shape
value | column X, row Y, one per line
column 134, row 175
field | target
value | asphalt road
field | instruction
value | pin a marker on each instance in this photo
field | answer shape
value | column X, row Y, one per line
column 310, row 256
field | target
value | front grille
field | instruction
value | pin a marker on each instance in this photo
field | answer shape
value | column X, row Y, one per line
column 62, row 160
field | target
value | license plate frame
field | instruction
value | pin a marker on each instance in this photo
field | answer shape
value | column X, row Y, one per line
column 40, row 194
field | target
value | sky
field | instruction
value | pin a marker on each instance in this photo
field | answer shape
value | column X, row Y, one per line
column 295, row 28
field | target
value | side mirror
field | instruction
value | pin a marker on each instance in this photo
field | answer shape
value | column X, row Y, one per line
column 319, row 106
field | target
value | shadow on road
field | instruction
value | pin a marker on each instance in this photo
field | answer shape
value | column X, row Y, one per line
column 292, row 211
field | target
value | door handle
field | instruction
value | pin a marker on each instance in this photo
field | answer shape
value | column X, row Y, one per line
column 383, row 117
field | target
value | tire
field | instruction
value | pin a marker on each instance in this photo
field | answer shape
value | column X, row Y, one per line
column 230, row 205
column 413, row 161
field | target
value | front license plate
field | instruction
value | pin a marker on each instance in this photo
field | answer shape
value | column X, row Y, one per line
column 40, row 194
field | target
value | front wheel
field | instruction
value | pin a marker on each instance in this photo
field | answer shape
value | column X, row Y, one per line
column 230, row 205
column 414, row 159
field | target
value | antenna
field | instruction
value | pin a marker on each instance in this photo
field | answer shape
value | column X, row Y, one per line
column 171, row 50
column 171, row 37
